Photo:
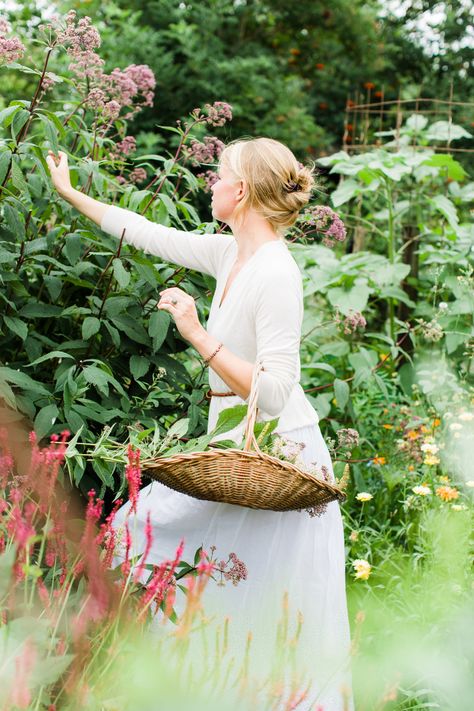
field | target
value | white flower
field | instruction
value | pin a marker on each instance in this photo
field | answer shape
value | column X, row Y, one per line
column 442, row 305
column 470, row 483
column 421, row 490
column 466, row 416
column 364, row 496
column 430, row 448
column 458, row 507
column 455, row 426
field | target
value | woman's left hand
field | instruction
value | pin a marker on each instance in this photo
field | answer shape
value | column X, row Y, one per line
column 183, row 311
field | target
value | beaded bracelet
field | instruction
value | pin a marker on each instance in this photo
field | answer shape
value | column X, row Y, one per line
column 207, row 360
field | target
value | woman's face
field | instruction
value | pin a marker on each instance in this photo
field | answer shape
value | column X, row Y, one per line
column 227, row 192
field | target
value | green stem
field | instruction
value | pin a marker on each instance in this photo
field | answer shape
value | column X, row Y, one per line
column 391, row 253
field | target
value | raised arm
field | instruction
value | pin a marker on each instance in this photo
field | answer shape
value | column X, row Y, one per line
column 187, row 249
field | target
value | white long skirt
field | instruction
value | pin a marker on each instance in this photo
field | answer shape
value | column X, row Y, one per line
column 285, row 553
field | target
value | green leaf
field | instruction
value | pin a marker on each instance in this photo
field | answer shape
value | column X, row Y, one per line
column 355, row 298
column 18, row 179
column 90, row 327
column 120, row 273
column 229, row 418
column 45, row 419
column 344, row 192
column 446, row 131
column 132, row 328
column 139, row 366
column 50, row 356
column 13, row 222
column 447, row 208
column 158, row 327
column 178, row 429
column 341, row 392
column 97, row 377
column 73, row 248
column 5, row 158
column 320, row 366
column 40, row 310
column 22, row 381
column 454, row 170
column 17, row 326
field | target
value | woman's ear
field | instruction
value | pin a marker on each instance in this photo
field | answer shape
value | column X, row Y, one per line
column 242, row 190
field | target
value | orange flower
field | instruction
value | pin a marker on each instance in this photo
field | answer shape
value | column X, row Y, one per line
column 378, row 94
column 388, row 427
column 411, row 468
column 320, row 66
column 350, row 127
column 295, row 51
column 369, row 85
column 349, row 104
column 425, row 429
column 447, row 493
column 436, row 422
column 379, row 460
column 323, row 105
column 413, row 434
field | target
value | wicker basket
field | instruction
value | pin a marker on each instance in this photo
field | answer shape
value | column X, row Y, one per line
column 243, row 477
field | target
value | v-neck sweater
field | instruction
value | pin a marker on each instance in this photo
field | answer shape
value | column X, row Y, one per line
column 260, row 318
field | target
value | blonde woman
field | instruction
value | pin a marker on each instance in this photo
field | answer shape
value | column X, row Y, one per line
column 256, row 315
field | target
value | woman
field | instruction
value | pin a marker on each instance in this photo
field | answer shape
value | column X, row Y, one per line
column 256, row 315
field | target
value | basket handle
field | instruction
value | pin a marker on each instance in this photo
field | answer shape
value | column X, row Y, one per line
column 252, row 409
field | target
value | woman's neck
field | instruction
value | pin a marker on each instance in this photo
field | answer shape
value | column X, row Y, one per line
column 250, row 234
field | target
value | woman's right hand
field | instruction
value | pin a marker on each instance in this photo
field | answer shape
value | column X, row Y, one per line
column 59, row 169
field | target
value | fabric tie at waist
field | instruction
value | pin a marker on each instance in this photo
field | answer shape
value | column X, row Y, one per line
column 211, row 393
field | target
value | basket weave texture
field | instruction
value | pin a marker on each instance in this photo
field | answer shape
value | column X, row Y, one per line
column 247, row 477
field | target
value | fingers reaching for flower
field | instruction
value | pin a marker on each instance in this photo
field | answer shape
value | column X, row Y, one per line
column 182, row 308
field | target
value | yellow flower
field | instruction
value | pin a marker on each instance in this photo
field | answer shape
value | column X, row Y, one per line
column 364, row 496
column 388, row 427
column 447, row 493
column 431, row 460
column 421, row 490
column 413, row 434
column 362, row 568
column 379, row 460
column 424, row 429
column 411, row 468
column 444, row 479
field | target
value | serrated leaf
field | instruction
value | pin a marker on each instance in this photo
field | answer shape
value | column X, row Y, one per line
column 120, row 273
column 158, row 327
column 341, row 392
column 447, row 208
column 139, row 366
column 45, row 419
column 132, row 328
column 229, row 418
column 17, row 326
column 90, row 326
column 5, row 158
column 14, row 222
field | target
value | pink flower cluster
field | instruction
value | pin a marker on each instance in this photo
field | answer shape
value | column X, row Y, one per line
column 236, row 572
column 124, row 147
column 108, row 93
column 352, row 322
column 218, row 113
column 207, row 152
column 210, row 177
column 11, row 49
column 137, row 175
column 327, row 222
column 215, row 114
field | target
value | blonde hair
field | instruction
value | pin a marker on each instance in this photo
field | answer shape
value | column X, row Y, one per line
column 278, row 186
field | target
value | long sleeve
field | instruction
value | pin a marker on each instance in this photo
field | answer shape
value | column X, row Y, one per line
column 187, row 249
column 278, row 319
